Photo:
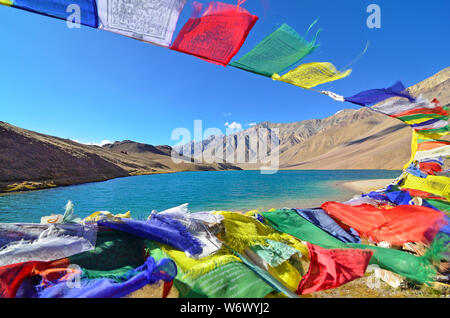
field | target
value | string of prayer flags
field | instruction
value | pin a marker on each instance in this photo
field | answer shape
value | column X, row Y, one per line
column 429, row 121
column 217, row 34
column 152, row 21
column 60, row 9
column 423, row 116
column 214, row 34
column 399, row 107
column 277, row 52
column 374, row 96
column 312, row 74
column 422, row 108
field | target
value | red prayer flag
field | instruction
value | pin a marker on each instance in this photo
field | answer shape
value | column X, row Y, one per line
column 397, row 225
column 331, row 268
column 217, row 35
column 430, row 167
column 167, row 287
column 423, row 194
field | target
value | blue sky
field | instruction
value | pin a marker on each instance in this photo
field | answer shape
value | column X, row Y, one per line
column 92, row 85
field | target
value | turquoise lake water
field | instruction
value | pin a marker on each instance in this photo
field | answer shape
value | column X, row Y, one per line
column 204, row 191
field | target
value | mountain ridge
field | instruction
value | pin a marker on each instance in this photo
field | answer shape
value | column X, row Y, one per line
column 349, row 139
column 31, row 160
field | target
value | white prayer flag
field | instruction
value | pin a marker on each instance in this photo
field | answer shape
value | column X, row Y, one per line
column 151, row 21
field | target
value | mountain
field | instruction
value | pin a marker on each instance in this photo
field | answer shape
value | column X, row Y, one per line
column 131, row 147
column 30, row 160
column 373, row 141
column 350, row 139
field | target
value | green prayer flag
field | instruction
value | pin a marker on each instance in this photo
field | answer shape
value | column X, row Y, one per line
column 440, row 204
column 277, row 52
column 113, row 250
column 233, row 280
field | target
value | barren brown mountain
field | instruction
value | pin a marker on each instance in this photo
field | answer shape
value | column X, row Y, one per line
column 29, row 160
column 350, row 139
column 368, row 140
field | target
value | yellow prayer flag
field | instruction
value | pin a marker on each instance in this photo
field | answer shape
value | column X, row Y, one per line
column 438, row 185
column 6, row 2
column 312, row 74
column 287, row 274
column 193, row 268
column 414, row 147
column 242, row 232
column 99, row 215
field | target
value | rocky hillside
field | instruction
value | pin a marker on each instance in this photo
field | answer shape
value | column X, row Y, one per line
column 29, row 160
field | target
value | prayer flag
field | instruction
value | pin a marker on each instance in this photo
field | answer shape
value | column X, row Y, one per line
column 6, row 2
column 397, row 225
column 333, row 268
column 438, row 185
column 312, row 74
column 373, row 96
column 62, row 9
column 321, row 219
column 277, row 52
column 152, row 21
column 217, row 34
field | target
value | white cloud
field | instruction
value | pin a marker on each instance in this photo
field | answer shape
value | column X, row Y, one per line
column 233, row 126
column 227, row 114
column 100, row 144
column 105, row 142
column 251, row 124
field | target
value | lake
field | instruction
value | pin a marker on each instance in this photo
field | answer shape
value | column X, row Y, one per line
column 204, row 191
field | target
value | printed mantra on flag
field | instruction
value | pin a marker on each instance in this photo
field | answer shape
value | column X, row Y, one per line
column 151, row 18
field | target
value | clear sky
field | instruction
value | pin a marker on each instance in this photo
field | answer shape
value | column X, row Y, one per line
column 91, row 85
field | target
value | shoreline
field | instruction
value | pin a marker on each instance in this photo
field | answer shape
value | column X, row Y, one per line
column 348, row 189
column 365, row 186
column 27, row 186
